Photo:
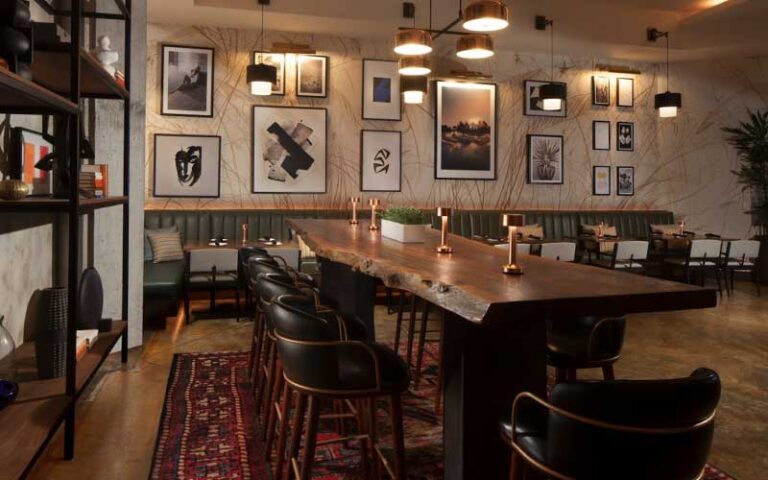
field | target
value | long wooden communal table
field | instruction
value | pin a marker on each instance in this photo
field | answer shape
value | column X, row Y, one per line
column 495, row 324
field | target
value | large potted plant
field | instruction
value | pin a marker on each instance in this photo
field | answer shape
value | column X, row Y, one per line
column 404, row 224
column 750, row 139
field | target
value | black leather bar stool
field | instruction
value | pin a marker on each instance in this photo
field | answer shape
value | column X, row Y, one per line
column 319, row 366
column 584, row 342
column 257, row 266
column 620, row 429
column 244, row 255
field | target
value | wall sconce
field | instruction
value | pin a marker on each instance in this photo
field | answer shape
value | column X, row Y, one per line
column 444, row 213
column 374, row 203
column 355, row 201
column 512, row 221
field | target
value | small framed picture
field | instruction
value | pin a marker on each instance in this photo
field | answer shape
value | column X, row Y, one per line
column 625, row 181
column 187, row 81
column 380, row 161
column 276, row 60
column 381, row 90
column 625, row 92
column 625, row 136
column 533, row 103
column 187, row 166
column 311, row 76
column 601, row 135
column 545, row 159
column 601, row 180
column 601, row 91
column 28, row 148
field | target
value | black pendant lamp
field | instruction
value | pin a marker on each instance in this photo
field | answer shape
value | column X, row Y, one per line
column 552, row 94
column 414, row 88
column 666, row 103
column 261, row 77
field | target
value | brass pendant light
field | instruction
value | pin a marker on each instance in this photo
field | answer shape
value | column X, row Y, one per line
column 486, row 16
column 474, row 46
column 413, row 42
column 414, row 65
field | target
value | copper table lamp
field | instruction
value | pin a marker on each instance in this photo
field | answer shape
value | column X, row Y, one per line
column 355, row 201
column 374, row 203
column 512, row 221
column 444, row 213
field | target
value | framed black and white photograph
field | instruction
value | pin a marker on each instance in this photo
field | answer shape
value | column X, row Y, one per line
column 601, row 180
column 276, row 60
column 187, row 166
column 380, row 161
column 465, row 123
column 289, row 149
column 534, row 103
column 545, row 159
column 625, row 136
column 625, row 181
column 625, row 92
column 381, row 90
column 601, row 90
column 187, row 81
column 311, row 76
column 601, row 135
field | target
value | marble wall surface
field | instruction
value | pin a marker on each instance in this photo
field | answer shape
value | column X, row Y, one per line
column 680, row 164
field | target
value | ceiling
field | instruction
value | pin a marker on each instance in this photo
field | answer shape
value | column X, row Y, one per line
column 700, row 29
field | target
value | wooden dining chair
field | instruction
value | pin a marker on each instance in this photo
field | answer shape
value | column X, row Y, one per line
column 211, row 269
column 560, row 251
column 741, row 256
column 627, row 255
column 704, row 255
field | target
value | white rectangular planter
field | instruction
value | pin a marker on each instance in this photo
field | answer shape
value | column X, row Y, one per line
column 403, row 233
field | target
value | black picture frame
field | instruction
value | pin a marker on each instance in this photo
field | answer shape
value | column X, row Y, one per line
column 595, row 169
column 16, row 161
column 154, row 166
column 395, row 89
column 280, row 71
column 595, row 146
column 595, row 97
column 209, row 113
column 399, row 159
column 529, row 112
column 622, row 146
column 619, row 188
column 529, row 158
column 631, row 103
column 325, row 76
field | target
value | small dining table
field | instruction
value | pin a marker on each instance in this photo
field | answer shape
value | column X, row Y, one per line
column 289, row 251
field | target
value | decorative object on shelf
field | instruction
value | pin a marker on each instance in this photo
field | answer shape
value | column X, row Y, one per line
column 534, row 103
column 16, row 37
column 120, row 78
column 244, row 234
column 12, row 189
column 311, row 76
column 28, row 148
column 7, row 345
column 625, row 181
column 414, row 88
column 601, row 135
column 465, row 126
column 49, row 36
column 625, row 92
column 187, row 81
column 512, row 221
column 381, row 90
column 380, row 161
column 354, row 201
column 374, row 204
column 545, row 159
column 91, row 299
column 101, row 178
column 262, row 77
column 601, row 90
column 289, row 149
column 625, row 136
column 187, row 166
column 666, row 103
column 444, row 213
column 51, row 333
column 87, row 184
column 276, row 60
column 404, row 224
column 105, row 55
column 601, row 180
column 553, row 95
column 8, row 392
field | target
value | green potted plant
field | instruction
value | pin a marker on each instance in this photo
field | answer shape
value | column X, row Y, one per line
column 750, row 139
column 404, row 224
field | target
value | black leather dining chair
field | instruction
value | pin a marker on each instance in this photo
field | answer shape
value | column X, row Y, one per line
column 584, row 342
column 244, row 255
column 620, row 429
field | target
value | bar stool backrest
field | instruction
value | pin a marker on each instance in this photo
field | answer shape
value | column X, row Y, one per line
column 631, row 250
column 206, row 259
column 562, row 251
column 743, row 251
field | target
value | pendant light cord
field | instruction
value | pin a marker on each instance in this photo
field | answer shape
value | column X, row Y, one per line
column 667, row 61
column 262, row 27
column 552, row 49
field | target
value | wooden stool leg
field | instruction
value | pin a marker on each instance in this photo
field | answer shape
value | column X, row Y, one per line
column 296, row 428
column 266, row 347
column 516, row 467
column 372, row 432
column 268, row 387
column 274, row 405
column 421, row 344
column 399, row 323
column 439, row 386
column 310, row 438
column 411, row 326
column 285, row 410
column 398, row 443
column 608, row 372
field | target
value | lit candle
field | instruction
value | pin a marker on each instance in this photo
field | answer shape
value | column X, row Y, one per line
column 355, row 201
column 444, row 213
column 374, row 203
column 512, row 221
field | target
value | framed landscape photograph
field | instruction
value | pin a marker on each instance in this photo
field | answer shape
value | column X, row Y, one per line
column 187, row 81
column 545, row 159
column 311, row 76
column 625, row 92
column 276, row 60
column 533, row 102
column 380, row 161
column 28, row 148
column 381, row 90
column 465, row 124
column 601, row 180
column 187, row 166
column 289, row 150
column 601, row 135
column 625, row 181
column 625, row 136
column 601, row 91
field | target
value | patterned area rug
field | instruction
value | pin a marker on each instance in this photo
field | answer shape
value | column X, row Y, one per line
column 208, row 428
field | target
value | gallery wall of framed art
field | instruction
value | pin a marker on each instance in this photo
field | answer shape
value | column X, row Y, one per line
column 545, row 156
column 312, row 76
column 381, row 90
column 601, row 180
column 187, row 166
column 187, row 81
column 380, row 161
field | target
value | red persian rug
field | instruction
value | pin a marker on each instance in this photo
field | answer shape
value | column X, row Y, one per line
column 208, row 428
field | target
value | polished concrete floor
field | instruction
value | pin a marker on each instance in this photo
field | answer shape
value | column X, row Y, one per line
column 119, row 415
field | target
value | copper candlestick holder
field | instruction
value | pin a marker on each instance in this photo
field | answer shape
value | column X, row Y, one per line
column 512, row 221
column 355, row 201
column 374, row 203
column 244, row 236
column 444, row 213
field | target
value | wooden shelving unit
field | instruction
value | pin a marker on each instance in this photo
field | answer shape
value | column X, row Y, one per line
column 51, row 70
column 48, row 204
column 18, row 95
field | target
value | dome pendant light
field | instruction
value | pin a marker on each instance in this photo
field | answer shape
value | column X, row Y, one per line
column 486, row 16
column 666, row 103
column 411, row 66
column 552, row 94
column 474, row 46
column 261, row 77
column 413, row 42
column 414, row 88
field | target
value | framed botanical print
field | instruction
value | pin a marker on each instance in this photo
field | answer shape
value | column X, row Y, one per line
column 276, row 60
column 187, row 81
column 545, row 159
column 625, row 92
column 380, row 161
column 601, row 91
column 601, row 180
column 311, row 76
column 601, row 135
column 625, row 181
column 28, row 148
column 534, row 103
column 381, row 90
column 187, row 166
column 625, row 136
column 465, row 124
column 289, row 149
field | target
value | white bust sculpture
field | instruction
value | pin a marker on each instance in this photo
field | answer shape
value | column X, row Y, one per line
column 105, row 55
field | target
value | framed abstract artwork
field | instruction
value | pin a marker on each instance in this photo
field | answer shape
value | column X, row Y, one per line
column 545, row 159
column 601, row 180
column 625, row 92
column 465, row 126
column 625, row 181
column 276, row 60
column 187, row 81
column 289, row 150
column 28, row 148
column 380, row 161
column 601, row 91
column 311, row 76
column 533, row 101
column 625, row 136
column 187, row 166
column 381, row 90
column 601, row 135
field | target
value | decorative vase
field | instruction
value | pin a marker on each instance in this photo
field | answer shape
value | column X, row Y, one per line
column 8, row 392
column 7, row 345
column 51, row 333
column 13, row 189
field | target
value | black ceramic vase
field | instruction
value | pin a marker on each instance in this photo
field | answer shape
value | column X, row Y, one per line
column 51, row 333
